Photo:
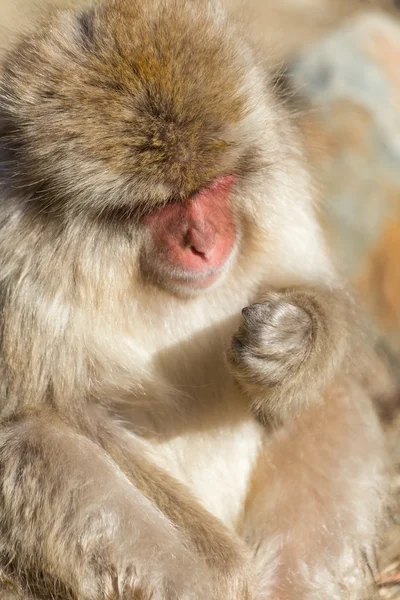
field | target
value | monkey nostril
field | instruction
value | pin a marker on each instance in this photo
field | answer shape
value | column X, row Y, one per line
column 197, row 252
column 203, row 253
column 201, row 243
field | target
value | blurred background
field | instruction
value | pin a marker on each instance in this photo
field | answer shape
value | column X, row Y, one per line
column 338, row 69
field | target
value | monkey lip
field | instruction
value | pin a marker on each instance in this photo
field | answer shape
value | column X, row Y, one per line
column 193, row 241
column 189, row 280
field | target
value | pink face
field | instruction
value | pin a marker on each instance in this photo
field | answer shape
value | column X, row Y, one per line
column 192, row 241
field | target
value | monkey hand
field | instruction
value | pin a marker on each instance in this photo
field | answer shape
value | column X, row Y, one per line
column 286, row 349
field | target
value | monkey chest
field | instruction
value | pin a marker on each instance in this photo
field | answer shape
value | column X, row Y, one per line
column 216, row 465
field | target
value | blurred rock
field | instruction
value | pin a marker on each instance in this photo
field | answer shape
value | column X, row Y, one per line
column 286, row 26
column 351, row 80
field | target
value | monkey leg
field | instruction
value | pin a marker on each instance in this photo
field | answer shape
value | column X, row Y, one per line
column 73, row 525
column 316, row 499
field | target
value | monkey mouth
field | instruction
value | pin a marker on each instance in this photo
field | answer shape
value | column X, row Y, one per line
column 198, row 282
column 194, row 285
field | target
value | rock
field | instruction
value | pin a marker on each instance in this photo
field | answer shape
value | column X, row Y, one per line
column 351, row 79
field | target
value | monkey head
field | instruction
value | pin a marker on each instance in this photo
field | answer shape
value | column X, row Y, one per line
column 146, row 114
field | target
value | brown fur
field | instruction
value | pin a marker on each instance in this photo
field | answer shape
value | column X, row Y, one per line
column 121, row 420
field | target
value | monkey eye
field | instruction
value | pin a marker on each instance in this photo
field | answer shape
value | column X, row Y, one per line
column 207, row 185
column 196, row 191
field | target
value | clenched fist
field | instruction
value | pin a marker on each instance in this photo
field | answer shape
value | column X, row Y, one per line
column 284, row 350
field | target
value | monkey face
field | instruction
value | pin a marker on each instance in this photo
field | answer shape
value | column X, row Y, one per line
column 190, row 245
column 141, row 113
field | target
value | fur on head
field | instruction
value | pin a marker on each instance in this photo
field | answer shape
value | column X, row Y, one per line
column 126, row 105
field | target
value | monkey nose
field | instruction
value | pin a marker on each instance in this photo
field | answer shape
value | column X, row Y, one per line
column 201, row 241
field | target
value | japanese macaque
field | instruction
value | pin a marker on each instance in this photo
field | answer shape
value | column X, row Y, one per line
column 184, row 411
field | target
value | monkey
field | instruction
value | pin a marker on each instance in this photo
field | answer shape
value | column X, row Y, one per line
column 184, row 401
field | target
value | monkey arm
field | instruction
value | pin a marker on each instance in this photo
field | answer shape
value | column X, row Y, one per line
column 294, row 343
column 223, row 552
column 69, row 513
column 70, row 517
